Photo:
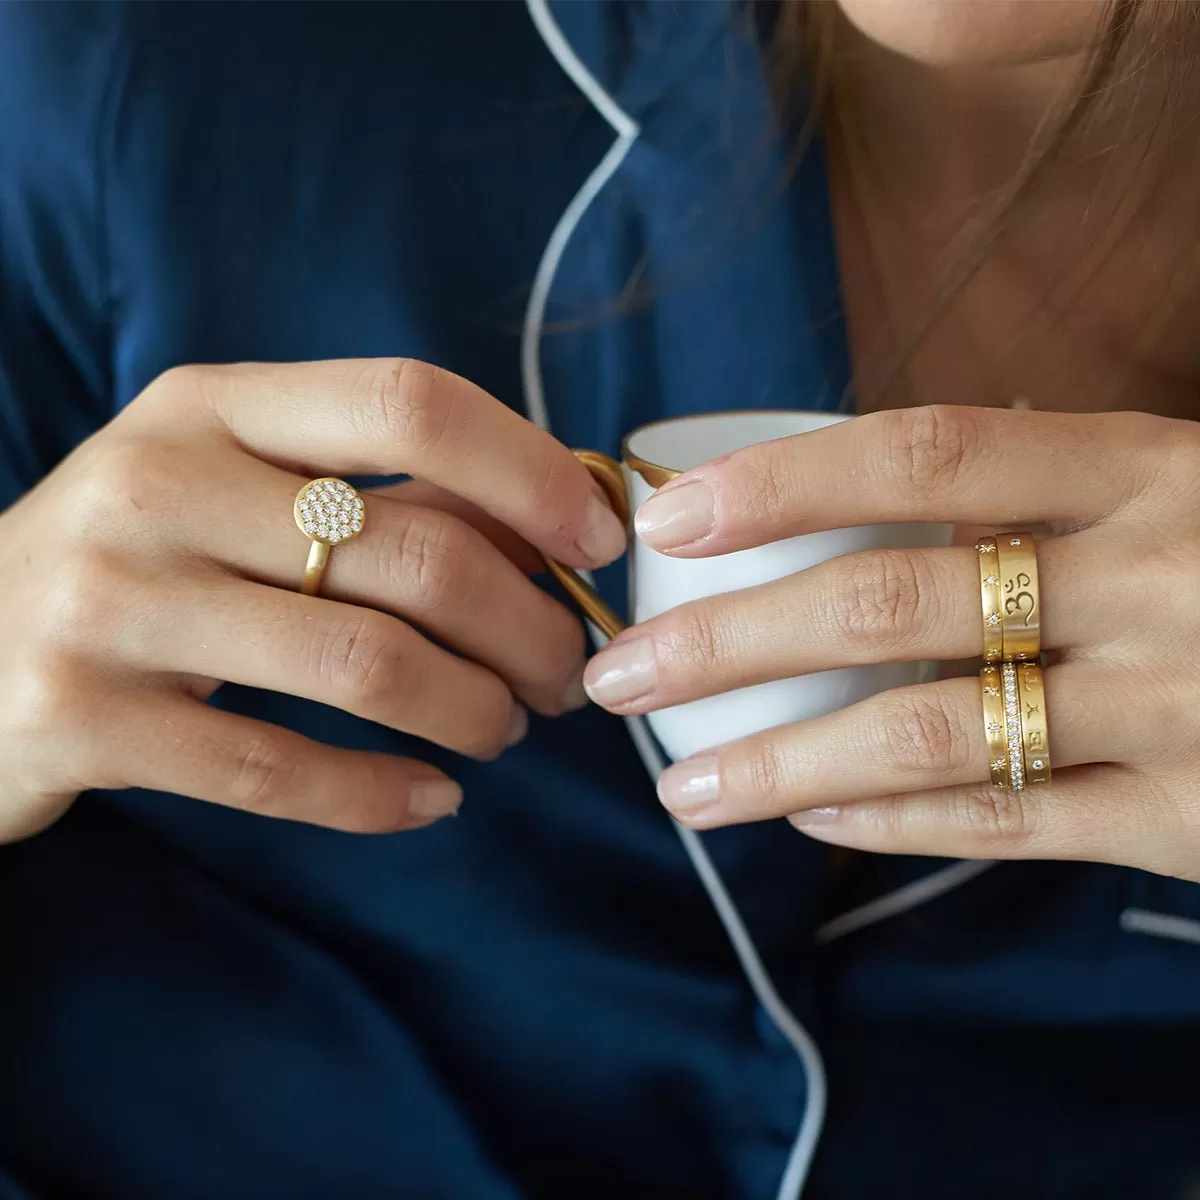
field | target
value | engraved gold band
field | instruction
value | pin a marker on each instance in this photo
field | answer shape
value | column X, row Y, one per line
column 993, row 726
column 1035, row 733
column 1014, row 722
column 328, row 512
column 1020, row 597
column 989, row 594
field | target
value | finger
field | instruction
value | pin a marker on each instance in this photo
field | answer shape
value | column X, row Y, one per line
column 420, row 565
column 400, row 416
column 876, row 606
column 935, row 464
column 426, row 495
column 908, row 740
column 178, row 745
column 355, row 659
column 1095, row 813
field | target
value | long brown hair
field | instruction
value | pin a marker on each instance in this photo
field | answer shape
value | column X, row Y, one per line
column 804, row 60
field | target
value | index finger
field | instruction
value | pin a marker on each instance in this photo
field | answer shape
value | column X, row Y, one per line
column 398, row 416
column 981, row 466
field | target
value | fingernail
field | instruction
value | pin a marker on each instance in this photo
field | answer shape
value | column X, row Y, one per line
column 622, row 673
column 688, row 787
column 603, row 538
column 676, row 516
column 815, row 816
column 435, row 798
column 575, row 697
column 518, row 727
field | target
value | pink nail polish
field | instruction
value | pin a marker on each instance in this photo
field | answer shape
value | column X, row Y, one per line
column 623, row 673
column 691, row 786
column 676, row 516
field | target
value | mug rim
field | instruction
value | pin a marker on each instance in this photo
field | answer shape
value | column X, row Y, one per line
column 656, row 475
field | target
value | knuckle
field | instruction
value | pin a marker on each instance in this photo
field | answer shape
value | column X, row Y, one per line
column 877, row 597
column 124, row 479
column 768, row 772
column 427, row 563
column 1169, row 462
column 360, row 661
column 924, row 736
column 80, row 603
column 44, row 695
column 262, row 777
column 406, row 403
column 930, row 449
column 992, row 814
column 695, row 640
column 760, row 492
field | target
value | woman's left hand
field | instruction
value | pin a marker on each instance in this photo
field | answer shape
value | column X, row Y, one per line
column 906, row 771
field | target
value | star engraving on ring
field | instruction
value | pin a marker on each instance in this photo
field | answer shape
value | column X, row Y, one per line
column 994, row 727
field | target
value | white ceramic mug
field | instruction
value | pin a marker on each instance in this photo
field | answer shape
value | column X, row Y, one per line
column 656, row 453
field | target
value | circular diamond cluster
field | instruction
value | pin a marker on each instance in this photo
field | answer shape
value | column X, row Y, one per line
column 1012, row 713
column 329, row 510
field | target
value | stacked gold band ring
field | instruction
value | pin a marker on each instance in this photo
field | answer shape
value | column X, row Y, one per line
column 1014, row 705
column 328, row 512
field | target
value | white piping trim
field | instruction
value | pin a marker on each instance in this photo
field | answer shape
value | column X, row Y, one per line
column 800, row 1157
column 805, row 1145
column 627, row 131
column 911, row 895
column 1161, row 925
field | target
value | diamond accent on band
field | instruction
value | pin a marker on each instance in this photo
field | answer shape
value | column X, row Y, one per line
column 329, row 511
column 993, row 620
column 994, row 727
column 992, row 580
column 1016, row 770
column 1038, row 764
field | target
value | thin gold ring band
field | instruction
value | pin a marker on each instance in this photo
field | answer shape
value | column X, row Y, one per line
column 989, row 594
column 329, row 512
column 1035, row 733
column 994, row 726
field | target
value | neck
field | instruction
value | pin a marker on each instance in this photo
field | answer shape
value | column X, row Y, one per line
column 927, row 152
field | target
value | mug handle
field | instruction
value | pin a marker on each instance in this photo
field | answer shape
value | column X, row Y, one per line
column 608, row 474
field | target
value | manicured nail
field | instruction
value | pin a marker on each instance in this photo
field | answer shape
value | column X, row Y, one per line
column 676, row 516
column 518, row 727
column 622, row 673
column 603, row 538
column 433, row 799
column 815, row 816
column 690, row 786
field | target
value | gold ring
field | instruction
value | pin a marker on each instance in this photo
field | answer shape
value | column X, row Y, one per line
column 989, row 592
column 1020, row 597
column 994, row 726
column 328, row 512
column 1012, row 727
column 1035, row 734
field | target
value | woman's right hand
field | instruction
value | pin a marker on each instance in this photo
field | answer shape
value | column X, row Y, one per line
column 161, row 559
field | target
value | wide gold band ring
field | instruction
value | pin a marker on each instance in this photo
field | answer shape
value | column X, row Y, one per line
column 328, row 512
column 1020, row 598
column 1014, row 719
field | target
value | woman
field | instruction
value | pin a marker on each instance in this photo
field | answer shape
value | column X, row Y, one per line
column 538, row 998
